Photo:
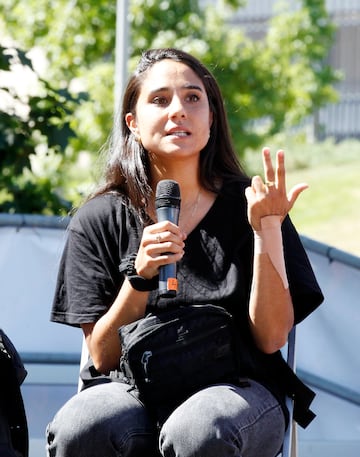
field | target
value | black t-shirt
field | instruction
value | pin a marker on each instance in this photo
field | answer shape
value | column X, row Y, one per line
column 216, row 267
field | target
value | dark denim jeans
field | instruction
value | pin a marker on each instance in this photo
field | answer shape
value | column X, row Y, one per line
column 219, row 421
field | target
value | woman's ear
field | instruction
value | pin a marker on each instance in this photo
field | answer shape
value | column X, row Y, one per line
column 131, row 123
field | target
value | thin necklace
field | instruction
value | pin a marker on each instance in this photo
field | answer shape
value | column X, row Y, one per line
column 193, row 211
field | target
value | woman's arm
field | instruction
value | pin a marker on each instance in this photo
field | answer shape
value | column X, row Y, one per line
column 102, row 337
column 271, row 311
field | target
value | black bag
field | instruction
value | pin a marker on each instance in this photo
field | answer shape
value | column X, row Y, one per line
column 171, row 355
column 14, row 439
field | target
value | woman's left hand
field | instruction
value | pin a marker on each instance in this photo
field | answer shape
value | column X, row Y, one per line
column 270, row 197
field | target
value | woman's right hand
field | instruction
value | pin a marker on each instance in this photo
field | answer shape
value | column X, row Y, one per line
column 162, row 243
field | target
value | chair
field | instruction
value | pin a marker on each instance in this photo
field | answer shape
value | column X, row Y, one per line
column 83, row 359
column 290, row 440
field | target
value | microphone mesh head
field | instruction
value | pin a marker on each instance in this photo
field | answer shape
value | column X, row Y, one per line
column 168, row 188
column 167, row 193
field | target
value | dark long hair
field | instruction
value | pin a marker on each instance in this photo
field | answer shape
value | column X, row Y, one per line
column 127, row 169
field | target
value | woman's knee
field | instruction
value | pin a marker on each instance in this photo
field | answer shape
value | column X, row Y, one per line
column 102, row 420
column 197, row 427
column 225, row 420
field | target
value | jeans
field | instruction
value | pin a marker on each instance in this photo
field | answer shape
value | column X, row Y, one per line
column 221, row 420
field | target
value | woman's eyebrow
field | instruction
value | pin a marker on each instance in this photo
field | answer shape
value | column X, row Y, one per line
column 193, row 86
column 185, row 86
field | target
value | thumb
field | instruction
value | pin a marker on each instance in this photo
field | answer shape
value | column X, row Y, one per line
column 295, row 192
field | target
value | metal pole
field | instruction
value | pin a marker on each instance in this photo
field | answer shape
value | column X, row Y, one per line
column 121, row 50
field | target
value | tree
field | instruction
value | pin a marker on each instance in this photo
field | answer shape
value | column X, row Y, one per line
column 268, row 85
column 31, row 126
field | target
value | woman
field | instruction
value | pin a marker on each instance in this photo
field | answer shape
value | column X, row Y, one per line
column 234, row 246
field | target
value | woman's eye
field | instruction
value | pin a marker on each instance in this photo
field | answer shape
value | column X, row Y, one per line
column 159, row 100
column 163, row 101
column 193, row 98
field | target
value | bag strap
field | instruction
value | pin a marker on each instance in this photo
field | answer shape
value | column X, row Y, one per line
column 299, row 392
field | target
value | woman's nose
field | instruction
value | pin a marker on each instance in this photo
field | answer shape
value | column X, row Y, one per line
column 176, row 108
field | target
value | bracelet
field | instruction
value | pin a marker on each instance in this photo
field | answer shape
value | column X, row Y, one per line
column 127, row 266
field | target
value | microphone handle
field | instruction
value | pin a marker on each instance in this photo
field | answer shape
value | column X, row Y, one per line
column 167, row 273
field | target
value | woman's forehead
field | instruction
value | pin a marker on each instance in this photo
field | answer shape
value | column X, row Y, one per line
column 167, row 73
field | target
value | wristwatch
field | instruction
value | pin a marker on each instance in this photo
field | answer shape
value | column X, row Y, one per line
column 127, row 266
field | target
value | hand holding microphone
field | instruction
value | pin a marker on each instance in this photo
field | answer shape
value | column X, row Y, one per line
column 167, row 205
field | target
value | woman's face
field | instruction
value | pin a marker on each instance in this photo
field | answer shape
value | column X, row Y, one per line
column 172, row 112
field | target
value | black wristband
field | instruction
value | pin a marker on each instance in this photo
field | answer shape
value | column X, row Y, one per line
column 127, row 266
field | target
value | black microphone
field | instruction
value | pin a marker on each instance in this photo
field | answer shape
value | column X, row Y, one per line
column 167, row 205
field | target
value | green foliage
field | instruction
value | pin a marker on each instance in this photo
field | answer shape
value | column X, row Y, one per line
column 268, row 85
column 148, row 21
column 302, row 155
column 30, row 125
column 74, row 34
column 327, row 211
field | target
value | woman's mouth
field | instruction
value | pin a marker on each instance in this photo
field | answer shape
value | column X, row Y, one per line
column 178, row 133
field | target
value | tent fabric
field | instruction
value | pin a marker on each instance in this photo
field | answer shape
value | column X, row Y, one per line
column 326, row 349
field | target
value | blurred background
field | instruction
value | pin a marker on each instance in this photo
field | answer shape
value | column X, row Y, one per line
column 289, row 72
column 290, row 75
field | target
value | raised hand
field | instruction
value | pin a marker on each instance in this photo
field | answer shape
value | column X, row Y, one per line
column 269, row 197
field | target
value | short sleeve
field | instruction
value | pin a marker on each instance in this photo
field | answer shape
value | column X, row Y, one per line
column 304, row 288
column 88, row 277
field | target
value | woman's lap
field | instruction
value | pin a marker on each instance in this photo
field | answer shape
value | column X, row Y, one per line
column 223, row 420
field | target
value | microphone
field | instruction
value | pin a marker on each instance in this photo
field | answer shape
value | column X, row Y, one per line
column 167, row 205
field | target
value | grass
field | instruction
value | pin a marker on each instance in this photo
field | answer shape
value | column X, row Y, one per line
column 329, row 210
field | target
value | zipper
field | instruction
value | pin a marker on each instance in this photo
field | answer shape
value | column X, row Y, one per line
column 145, row 362
column 132, row 340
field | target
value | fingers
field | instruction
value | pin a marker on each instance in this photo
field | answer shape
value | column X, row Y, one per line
column 274, row 178
column 164, row 234
column 257, row 186
column 295, row 192
column 162, row 243
column 279, row 177
column 269, row 197
column 268, row 166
